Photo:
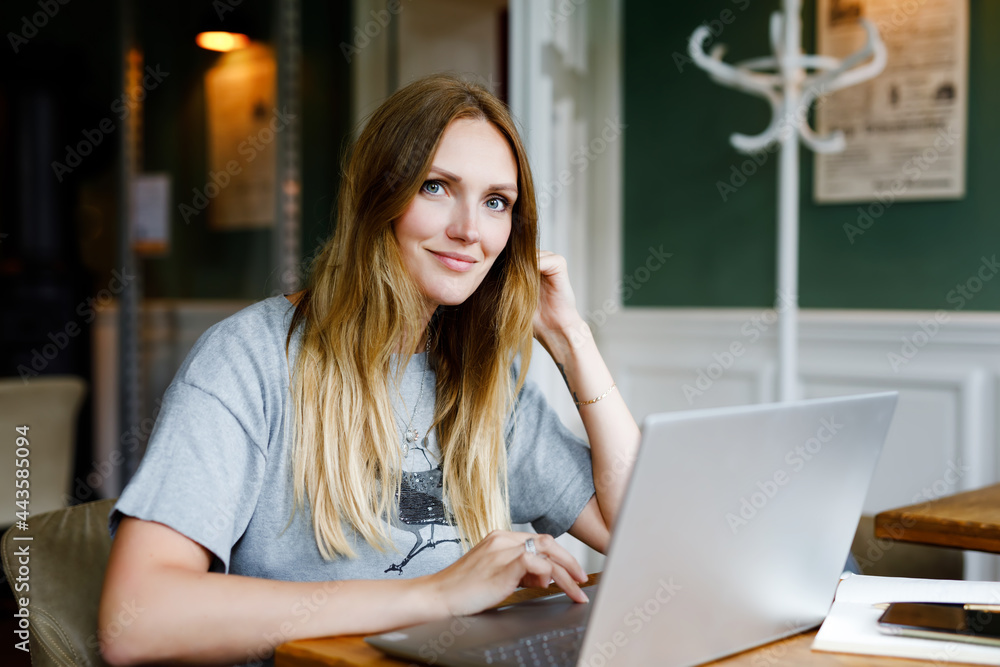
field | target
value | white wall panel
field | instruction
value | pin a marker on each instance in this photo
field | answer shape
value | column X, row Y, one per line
column 943, row 438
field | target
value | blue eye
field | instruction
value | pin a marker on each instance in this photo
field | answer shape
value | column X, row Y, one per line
column 497, row 204
column 432, row 187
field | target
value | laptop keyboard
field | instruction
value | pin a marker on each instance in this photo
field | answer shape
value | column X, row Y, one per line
column 557, row 647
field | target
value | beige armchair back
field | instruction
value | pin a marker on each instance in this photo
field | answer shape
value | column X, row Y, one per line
column 49, row 406
column 66, row 559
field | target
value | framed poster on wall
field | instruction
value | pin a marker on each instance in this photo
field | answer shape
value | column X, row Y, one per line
column 242, row 123
column 905, row 130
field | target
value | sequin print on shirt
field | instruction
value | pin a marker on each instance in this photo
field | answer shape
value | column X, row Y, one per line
column 421, row 508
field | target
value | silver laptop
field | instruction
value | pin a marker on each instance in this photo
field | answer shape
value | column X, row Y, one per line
column 734, row 532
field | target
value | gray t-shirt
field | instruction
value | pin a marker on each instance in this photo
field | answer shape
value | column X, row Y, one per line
column 217, row 466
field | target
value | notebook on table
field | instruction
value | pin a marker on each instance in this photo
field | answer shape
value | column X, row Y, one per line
column 733, row 533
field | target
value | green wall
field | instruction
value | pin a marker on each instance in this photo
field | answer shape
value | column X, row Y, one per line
column 677, row 149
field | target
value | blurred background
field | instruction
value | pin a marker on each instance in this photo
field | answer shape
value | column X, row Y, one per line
column 163, row 165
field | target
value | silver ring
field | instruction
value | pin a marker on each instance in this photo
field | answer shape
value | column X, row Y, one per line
column 529, row 545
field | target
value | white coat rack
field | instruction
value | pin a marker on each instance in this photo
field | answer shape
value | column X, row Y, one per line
column 782, row 80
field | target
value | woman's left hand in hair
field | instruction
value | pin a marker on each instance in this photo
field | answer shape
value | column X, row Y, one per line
column 557, row 321
column 611, row 430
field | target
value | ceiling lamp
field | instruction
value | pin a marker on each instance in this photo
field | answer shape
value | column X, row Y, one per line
column 221, row 41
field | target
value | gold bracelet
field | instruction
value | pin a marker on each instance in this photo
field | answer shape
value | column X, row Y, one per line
column 579, row 403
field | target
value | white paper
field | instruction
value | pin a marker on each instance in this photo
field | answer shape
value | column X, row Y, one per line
column 151, row 205
column 905, row 129
column 852, row 624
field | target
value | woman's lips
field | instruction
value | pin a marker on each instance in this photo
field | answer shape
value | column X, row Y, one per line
column 454, row 261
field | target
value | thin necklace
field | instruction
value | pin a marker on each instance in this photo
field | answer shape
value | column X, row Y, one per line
column 410, row 435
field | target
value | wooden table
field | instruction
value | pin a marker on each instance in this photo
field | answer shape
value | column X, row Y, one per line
column 969, row 520
column 791, row 652
column 794, row 651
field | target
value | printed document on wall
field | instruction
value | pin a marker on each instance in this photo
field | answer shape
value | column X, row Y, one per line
column 905, row 129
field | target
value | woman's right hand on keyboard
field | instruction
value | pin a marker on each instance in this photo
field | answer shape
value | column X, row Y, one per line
column 498, row 565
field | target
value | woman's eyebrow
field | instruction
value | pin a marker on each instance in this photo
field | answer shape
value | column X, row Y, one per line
column 509, row 187
column 447, row 174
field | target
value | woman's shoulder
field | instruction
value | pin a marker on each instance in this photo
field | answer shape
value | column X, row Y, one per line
column 251, row 339
column 267, row 316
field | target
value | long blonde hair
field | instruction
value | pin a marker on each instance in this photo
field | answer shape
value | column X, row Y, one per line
column 361, row 305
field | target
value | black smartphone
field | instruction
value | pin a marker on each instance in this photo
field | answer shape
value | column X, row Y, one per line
column 940, row 620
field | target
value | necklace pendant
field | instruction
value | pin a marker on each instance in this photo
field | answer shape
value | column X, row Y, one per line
column 406, row 449
column 411, row 435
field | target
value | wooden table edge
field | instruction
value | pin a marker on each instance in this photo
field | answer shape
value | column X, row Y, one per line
column 905, row 526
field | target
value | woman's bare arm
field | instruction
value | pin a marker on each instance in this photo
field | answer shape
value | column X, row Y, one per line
column 176, row 609
column 611, row 430
column 160, row 603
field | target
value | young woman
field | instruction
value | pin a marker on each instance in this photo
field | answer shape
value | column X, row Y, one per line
column 350, row 459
